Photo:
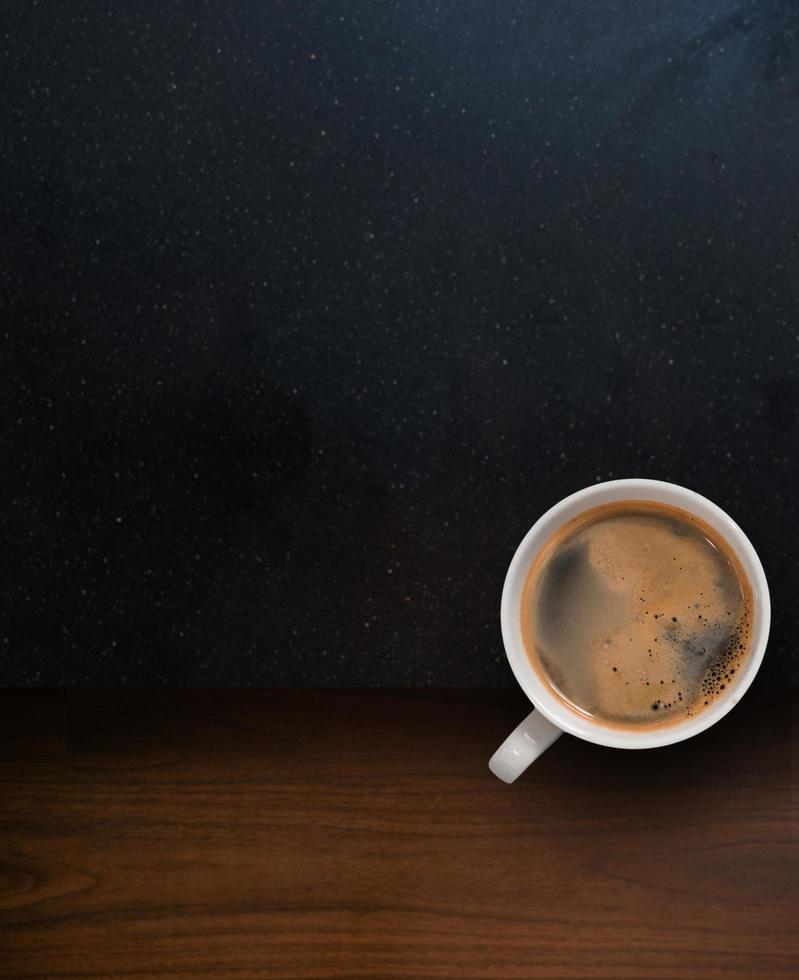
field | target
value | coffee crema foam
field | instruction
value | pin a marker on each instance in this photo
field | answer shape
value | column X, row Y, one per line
column 637, row 614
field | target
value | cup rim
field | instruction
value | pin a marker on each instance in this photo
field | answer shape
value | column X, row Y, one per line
column 657, row 491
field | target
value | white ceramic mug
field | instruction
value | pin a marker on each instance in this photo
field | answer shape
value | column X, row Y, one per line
column 551, row 716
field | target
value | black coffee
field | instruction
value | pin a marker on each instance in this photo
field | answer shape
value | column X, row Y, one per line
column 637, row 614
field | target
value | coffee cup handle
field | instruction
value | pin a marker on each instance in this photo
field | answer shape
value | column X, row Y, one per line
column 523, row 746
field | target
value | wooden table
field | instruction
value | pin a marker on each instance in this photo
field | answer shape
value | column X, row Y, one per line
column 360, row 834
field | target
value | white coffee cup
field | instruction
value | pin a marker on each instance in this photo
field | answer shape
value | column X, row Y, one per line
column 551, row 716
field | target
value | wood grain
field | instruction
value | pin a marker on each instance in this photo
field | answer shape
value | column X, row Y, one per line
column 360, row 834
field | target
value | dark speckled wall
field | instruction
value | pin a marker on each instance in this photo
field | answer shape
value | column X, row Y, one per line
column 308, row 310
